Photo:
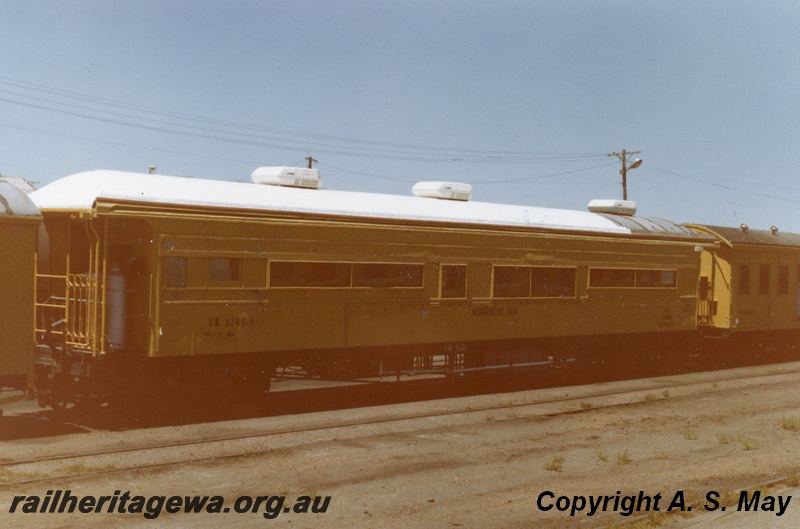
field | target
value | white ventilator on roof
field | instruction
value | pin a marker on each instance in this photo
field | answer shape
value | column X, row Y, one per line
column 287, row 176
column 616, row 207
column 443, row 190
column 82, row 191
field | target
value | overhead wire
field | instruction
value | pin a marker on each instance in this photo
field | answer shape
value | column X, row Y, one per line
column 343, row 146
column 360, row 152
column 153, row 119
column 470, row 181
column 723, row 186
column 126, row 145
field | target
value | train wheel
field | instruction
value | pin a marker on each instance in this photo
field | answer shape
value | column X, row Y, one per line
column 62, row 406
column 59, row 398
column 240, row 392
column 57, row 391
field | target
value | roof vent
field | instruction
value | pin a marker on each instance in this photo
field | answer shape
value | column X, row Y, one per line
column 287, row 176
column 774, row 230
column 745, row 228
column 443, row 190
column 615, row 207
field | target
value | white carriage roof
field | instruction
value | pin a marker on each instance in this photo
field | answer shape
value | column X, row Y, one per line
column 81, row 191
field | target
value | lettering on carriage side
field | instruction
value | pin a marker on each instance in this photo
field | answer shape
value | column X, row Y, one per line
column 488, row 311
column 228, row 327
column 494, row 311
column 240, row 321
column 667, row 319
column 686, row 306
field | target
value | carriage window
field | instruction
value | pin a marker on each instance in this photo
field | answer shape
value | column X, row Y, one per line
column 224, row 269
column 797, row 294
column 744, row 280
column 552, row 282
column 655, row 278
column 309, row 274
column 387, row 275
column 611, row 277
column 344, row 275
column 763, row 279
column 783, row 280
column 626, row 278
column 512, row 281
column 175, row 272
column 454, row 281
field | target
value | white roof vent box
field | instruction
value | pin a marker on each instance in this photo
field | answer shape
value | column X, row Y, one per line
column 287, row 176
column 443, row 190
column 615, row 207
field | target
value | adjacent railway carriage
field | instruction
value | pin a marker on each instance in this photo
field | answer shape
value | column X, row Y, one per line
column 19, row 226
column 749, row 286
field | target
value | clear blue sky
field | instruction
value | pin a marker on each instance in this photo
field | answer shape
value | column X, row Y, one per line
column 523, row 99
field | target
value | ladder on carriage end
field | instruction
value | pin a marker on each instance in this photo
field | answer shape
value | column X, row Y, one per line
column 71, row 320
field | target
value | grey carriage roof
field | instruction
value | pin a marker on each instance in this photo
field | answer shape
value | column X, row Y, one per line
column 652, row 225
column 14, row 202
column 735, row 236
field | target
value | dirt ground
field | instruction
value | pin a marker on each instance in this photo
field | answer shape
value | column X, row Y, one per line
column 496, row 462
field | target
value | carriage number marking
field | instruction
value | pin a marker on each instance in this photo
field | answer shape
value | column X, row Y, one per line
column 237, row 321
column 494, row 311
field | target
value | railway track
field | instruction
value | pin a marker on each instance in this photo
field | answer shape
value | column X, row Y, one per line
column 185, row 447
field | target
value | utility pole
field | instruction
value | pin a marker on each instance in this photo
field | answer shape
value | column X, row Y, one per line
column 623, row 156
column 310, row 161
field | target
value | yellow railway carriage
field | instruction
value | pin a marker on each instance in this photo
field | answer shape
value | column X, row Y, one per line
column 152, row 277
column 19, row 225
column 750, row 284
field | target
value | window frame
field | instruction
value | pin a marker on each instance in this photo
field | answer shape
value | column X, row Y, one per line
column 783, row 280
column 531, row 291
column 744, row 280
column 635, row 281
column 507, row 285
column 573, row 287
column 182, row 271
column 232, row 278
column 764, row 273
column 271, row 268
column 462, row 279
column 354, row 281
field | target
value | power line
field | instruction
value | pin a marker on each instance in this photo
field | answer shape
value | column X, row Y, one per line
column 722, row 186
column 351, row 146
column 257, row 141
column 538, row 177
column 127, row 145
column 120, row 113
column 468, row 181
